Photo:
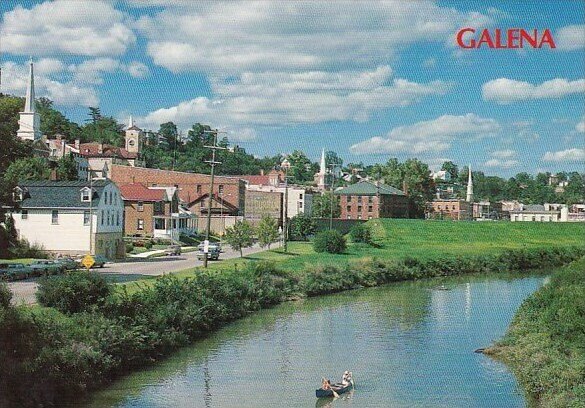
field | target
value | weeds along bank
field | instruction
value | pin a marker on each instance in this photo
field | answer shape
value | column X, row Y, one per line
column 545, row 345
column 49, row 353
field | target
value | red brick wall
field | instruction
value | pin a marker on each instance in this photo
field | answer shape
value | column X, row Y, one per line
column 131, row 216
column 392, row 206
column 191, row 185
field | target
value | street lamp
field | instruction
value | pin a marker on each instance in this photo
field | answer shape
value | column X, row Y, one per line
column 285, row 165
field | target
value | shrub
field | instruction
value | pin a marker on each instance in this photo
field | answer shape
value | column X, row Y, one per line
column 329, row 241
column 5, row 295
column 129, row 247
column 74, row 292
column 361, row 233
column 148, row 244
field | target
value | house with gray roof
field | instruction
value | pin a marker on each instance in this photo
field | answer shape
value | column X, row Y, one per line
column 71, row 217
column 366, row 199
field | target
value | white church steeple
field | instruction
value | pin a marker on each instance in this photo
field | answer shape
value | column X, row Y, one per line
column 469, row 187
column 30, row 122
column 322, row 172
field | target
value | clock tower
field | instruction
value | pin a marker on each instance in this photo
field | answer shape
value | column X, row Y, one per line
column 134, row 138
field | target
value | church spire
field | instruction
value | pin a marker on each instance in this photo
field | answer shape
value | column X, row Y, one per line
column 322, row 172
column 29, row 104
column 469, row 187
column 29, row 123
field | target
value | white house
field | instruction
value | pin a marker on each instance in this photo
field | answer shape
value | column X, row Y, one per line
column 71, row 217
column 541, row 213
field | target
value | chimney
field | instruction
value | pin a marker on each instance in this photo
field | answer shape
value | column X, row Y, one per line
column 77, row 144
column 100, row 148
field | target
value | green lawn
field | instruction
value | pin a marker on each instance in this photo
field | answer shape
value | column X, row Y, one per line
column 396, row 238
column 21, row 260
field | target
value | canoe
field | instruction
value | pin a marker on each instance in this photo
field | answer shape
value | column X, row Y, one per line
column 339, row 389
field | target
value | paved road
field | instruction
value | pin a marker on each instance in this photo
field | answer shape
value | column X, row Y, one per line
column 129, row 270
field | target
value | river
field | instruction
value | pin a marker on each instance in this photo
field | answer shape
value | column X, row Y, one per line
column 409, row 345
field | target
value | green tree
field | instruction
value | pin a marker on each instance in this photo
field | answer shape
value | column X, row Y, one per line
column 322, row 206
column 240, row 236
column 267, row 231
column 67, row 168
column 54, row 122
column 331, row 241
column 451, row 168
column 29, row 168
column 575, row 190
column 302, row 170
column 301, row 227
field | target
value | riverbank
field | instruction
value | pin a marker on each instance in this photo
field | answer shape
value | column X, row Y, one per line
column 47, row 355
column 545, row 344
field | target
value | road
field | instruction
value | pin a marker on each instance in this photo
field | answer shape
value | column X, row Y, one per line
column 129, row 270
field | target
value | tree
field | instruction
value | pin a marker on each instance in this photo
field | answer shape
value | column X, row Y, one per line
column 30, row 168
column 94, row 115
column 301, row 226
column 103, row 129
column 54, row 122
column 322, row 206
column 67, row 168
column 451, row 168
column 170, row 135
column 267, row 231
column 575, row 190
column 302, row 170
column 331, row 241
column 240, row 236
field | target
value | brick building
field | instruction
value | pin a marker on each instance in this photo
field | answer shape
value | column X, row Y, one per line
column 154, row 212
column 452, row 209
column 193, row 188
column 365, row 200
column 262, row 203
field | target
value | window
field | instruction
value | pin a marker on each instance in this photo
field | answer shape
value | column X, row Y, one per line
column 159, row 223
column 85, row 196
column 102, row 217
column 300, row 204
column 359, row 199
column 54, row 217
column 349, row 208
column 140, row 206
column 220, row 189
column 109, row 223
column 24, row 215
column 370, row 208
column 370, row 199
column 300, row 196
column 359, row 208
column 86, row 218
column 140, row 224
column 198, row 188
column 118, row 218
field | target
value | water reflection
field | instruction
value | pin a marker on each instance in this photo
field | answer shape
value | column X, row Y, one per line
column 408, row 344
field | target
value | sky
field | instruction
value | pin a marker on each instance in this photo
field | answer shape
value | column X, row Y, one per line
column 369, row 80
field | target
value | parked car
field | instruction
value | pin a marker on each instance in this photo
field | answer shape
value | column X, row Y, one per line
column 46, row 267
column 173, row 250
column 99, row 261
column 67, row 263
column 16, row 271
column 214, row 251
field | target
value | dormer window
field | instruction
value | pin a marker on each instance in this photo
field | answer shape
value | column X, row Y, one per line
column 18, row 194
column 85, row 195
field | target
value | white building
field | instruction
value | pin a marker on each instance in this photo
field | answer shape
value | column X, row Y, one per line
column 71, row 217
column 541, row 213
column 441, row 175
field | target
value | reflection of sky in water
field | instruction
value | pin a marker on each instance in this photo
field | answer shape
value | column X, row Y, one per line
column 409, row 345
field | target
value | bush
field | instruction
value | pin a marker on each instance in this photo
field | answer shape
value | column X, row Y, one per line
column 129, row 247
column 5, row 295
column 75, row 292
column 361, row 233
column 148, row 244
column 329, row 241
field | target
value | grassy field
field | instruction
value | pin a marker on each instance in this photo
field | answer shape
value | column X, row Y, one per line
column 545, row 345
column 25, row 261
column 396, row 239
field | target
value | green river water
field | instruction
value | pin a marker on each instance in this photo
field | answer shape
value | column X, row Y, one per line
column 409, row 345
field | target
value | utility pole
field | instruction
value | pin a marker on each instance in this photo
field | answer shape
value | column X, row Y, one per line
column 332, row 165
column 212, row 162
column 90, row 212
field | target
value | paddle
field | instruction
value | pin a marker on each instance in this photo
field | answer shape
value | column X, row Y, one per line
column 335, row 395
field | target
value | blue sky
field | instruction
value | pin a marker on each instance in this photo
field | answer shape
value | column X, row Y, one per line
column 370, row 80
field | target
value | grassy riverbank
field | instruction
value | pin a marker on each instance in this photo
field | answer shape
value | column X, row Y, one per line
column 545, row 345
column 48, row 354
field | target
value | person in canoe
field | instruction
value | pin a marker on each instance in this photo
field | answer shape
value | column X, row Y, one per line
column 325, row 384
column 346, row 379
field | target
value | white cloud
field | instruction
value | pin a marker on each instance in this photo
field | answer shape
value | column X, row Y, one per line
column 504, row 164
column 580, row 127
column 504, row 90
column 92, row 71
column 70, row 93
column 569, row 155
column 429, row 136
column 279, row 98
column 91, row 28
column 570, row 38
column 504, row 154
column 137, row 69
column 237, row 36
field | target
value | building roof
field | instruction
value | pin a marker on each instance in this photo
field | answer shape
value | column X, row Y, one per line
column 257, row 180
column 93, row 150
column 364, row 187
column 139, row 192
column 58, row 194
